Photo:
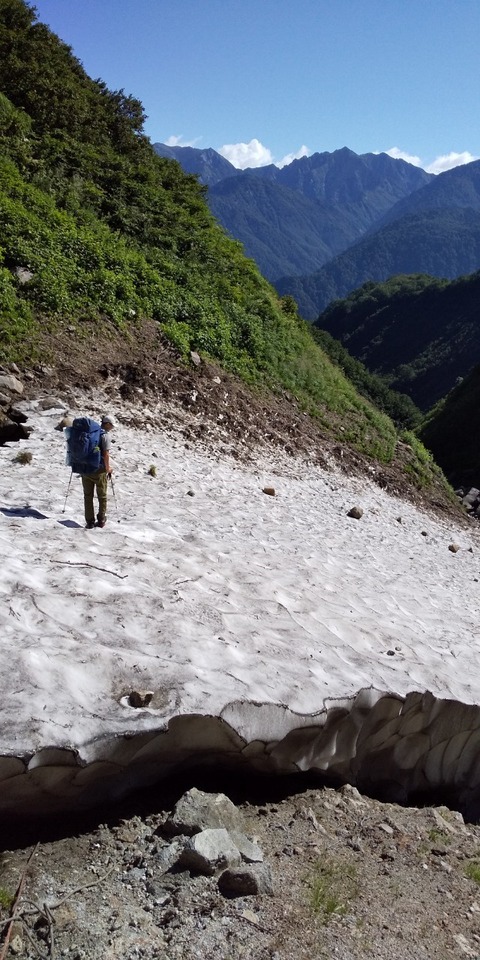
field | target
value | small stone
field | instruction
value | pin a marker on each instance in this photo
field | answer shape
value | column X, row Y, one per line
column 246, row 881
column 16, row 945
column 64, row 422
column 195, row 358
column 454, row 547
column 356, row 513
column 190, row 493
column 270, row 491
column 140, row 698
column 23, row 275
column 386, row 828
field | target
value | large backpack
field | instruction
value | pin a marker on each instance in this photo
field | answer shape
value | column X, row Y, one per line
column 84, row 453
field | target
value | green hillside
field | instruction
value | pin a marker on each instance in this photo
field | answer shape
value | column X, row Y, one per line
column 99, row 235
column 421, row 333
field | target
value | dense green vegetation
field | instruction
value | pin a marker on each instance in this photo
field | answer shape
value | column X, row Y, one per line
column 398, row 406
column 96, row 229
column 450, row 431
column 418, row 332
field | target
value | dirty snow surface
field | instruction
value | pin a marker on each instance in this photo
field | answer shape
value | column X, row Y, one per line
column 272, row 627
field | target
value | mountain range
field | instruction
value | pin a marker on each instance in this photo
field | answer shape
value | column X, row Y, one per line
column 323, row 225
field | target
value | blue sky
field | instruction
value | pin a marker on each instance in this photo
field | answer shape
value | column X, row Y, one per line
column 263, row 81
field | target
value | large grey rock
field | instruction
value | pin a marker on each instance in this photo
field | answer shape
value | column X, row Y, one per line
column 197, row 811
column 9, row 382
column 11, row 432
column 51, row 403
column 18, row 416
column 64, row 422
column 209, row 851
column 253, row 880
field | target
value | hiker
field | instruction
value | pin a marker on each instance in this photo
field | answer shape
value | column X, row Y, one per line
column 88, row 454
column 99, row 479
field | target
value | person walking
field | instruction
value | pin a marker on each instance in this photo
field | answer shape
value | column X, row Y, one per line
column 98, row 481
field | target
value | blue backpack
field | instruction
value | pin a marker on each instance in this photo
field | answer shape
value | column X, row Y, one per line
column 84, row 454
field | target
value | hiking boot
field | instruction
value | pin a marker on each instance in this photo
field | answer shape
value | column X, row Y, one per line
column 101, row 523
column 90, row 524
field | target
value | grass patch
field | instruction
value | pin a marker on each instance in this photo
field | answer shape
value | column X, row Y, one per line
column 333, row 885
column 6, row 899
column 435, row 835
column 472, row 871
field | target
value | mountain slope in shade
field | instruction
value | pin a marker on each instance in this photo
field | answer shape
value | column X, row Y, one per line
column 420, row 332
column 442, row 243
column 280, row 229
column 451, row 432
column 459, row 188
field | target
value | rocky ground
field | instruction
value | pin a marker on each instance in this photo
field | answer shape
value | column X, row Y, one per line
column 327, row 873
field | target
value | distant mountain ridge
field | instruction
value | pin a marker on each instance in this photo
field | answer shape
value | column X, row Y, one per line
column 208, row 165
column 327, row 223
column 310, row 209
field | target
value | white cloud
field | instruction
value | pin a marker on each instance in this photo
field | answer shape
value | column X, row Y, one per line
column 398, row 154
column 446, row 162
column 242, row 155
column 254, row 154
column 450, row 160
column 180, row 142
column 303, row 152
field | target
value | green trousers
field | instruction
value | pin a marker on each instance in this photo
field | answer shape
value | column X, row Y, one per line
column 98, row 480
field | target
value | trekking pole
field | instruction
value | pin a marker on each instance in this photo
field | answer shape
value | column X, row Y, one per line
column 68, row 491
column 114, row 497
